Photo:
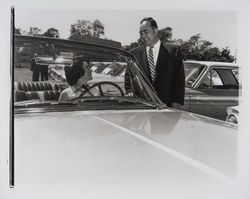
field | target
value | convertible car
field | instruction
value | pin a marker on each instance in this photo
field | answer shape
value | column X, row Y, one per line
column 110, row 145
column 211, row 87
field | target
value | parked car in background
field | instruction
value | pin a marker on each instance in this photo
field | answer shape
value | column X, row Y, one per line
column 99, row 66
column 233, row 114
column 56, row 67
column 110, row 145
column 115, row 69
column 211, row 87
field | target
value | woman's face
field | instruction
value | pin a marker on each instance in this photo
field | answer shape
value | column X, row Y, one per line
column 83, row 80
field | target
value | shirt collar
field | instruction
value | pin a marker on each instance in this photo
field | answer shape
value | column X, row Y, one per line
column 156, row 46
column 76, row 89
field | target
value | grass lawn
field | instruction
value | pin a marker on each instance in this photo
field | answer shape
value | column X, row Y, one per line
column 22, row 75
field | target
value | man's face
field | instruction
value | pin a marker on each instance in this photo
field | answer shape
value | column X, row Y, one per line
column 148, row 34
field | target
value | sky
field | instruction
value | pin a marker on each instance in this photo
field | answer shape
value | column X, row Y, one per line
column 219, row 27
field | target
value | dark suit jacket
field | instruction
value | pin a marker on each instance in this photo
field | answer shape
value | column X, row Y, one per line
column 170, row 78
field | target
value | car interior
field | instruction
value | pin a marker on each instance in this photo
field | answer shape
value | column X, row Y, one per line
column 36, row 90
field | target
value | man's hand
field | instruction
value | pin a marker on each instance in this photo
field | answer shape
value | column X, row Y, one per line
column 129, row 95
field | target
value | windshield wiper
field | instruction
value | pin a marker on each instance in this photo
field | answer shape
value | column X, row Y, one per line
column 34, row 104
column 120, row 100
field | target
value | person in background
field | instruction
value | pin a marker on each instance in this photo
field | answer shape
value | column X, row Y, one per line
column 35, row 68
column 77, row 77
column 44, row 72
column 161, row 63
column 47, row 49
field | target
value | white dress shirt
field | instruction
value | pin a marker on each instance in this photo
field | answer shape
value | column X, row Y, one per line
column 156, row 49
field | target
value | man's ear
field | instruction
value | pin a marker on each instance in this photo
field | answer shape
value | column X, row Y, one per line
column 156, row 31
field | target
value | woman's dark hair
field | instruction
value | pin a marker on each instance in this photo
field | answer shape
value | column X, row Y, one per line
column 151, row 21
column 74, row 72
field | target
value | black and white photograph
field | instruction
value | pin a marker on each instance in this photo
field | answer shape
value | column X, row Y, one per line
column 108, row 101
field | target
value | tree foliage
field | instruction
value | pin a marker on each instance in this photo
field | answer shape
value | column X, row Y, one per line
column 226, row 55
column 51, row 32
column 35, row 31
column 98, row 29
column 88, row 28
column 165, row 34
column 203, row 50
column 193, row 49
column 133, row 45
column 17, row 31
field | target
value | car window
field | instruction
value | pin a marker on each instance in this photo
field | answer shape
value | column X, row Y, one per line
column 210, row 80
column 192, row 73
column 219, row 78
column 236, row 74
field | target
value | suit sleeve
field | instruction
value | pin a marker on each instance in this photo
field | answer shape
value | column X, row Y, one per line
column 179, row 79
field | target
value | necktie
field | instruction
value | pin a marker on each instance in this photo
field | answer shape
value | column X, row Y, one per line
column 151, row 63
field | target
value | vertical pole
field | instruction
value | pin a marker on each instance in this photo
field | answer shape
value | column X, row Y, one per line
column 12, row 135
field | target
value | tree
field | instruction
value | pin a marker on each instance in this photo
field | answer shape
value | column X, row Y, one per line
column 17, row 31
column 51, row 32
column 194, row 48
column 177, row 42
column 204, row 45
column 133, row 45
column 203, row 50
column 87, row 28
column 81, row 27
column 98, row 29
column 34, row 31
column 226, row 55
column 165, row 34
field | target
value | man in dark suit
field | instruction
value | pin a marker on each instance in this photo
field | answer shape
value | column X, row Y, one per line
column 161, row 63
column 35, row 68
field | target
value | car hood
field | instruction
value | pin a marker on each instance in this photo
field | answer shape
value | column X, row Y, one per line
column 101, row 148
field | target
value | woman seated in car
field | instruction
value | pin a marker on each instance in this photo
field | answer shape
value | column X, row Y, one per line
column 77, row 77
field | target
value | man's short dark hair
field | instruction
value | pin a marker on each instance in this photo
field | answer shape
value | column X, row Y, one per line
column 74, row 72
column 151, row 21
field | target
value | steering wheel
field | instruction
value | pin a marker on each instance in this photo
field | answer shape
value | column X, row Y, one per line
column 99, row 85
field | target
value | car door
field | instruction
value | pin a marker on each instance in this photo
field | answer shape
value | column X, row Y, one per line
column 217, row 90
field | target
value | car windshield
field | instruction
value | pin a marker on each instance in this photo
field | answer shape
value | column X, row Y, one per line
column 40, row 78
column 192, row 72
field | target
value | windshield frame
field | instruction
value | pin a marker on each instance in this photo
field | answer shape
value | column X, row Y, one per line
column 148, row 88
